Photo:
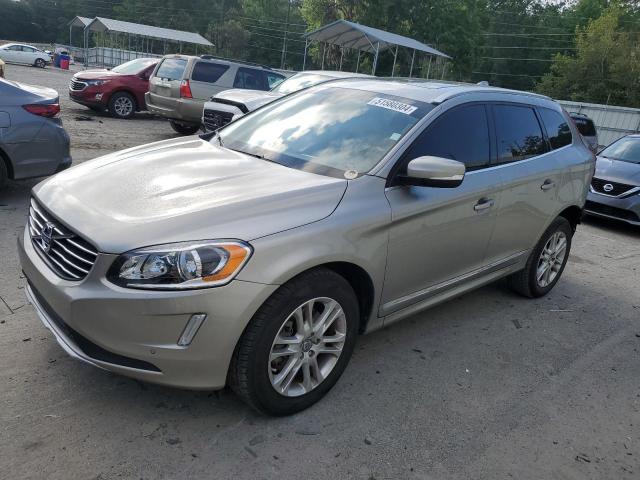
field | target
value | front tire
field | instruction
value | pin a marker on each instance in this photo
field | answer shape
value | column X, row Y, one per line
column 183, row 128
column 122, row 105
column 546, row 262
column 40, row 63
column 297, row 344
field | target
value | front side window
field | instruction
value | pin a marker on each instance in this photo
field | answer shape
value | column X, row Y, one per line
column 627, row 149
column 171, row 68
column 460, row 134
column 334, row 131
column 519, row 133
column 250, row 79
column 557, row 128
column 208, row 72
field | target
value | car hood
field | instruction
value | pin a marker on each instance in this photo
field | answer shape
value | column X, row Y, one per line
column 181, row 190
column 96, row 74
column 618, row 171
column 252, row 99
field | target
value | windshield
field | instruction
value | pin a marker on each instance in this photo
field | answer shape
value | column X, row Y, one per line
column 328, row 130
column 627, row 149
column 134, row 66
column 300, row 81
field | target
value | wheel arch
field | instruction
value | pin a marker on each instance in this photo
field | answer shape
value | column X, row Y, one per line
column 128, row 92
column 573, row 214
column 7, row 162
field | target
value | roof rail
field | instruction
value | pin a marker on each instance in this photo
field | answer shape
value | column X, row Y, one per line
column 214, row 57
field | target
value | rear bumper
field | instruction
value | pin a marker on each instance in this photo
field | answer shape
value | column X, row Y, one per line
column 135, row 332
column 624, row 209
column 185, row 110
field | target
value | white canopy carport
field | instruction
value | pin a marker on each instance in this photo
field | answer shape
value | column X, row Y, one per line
column 77, row 22
column 366, row 39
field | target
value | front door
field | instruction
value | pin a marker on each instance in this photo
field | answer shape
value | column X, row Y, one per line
column 439, row 235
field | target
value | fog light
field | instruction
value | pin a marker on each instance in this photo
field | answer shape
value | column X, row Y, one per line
column 191, row 329
column 98, row 96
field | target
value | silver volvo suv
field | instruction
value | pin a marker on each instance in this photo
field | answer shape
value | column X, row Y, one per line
column 255, row 256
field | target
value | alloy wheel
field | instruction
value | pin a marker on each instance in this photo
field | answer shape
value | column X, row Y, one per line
column 123, row 106
column 551, row 259
column 307, row 347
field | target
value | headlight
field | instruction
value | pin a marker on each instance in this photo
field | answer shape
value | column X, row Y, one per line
column 95, row 82
column 180, row 266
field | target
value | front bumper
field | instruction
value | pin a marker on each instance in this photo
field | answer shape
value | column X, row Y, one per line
column 135, row 332
column 88, row 99
column 626, row 209
column 187, row 110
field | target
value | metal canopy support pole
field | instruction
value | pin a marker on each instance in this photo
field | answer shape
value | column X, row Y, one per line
column 70, row 30
column 444, row 67
column 85, row 35
column 413, row 59
column 429, row 68
column 375, row 59
column 284, row 41
column 324, row 50
column 341, row 55
column 358, row 62
column 304, row 59
column 395, row 57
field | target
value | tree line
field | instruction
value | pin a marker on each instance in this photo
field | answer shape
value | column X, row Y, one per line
column 583, row 50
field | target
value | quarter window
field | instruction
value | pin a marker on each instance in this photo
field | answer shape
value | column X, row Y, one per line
column 250, row 79
column 519, row 133
column 460, row 134
column 208, row 72
column 557, row 128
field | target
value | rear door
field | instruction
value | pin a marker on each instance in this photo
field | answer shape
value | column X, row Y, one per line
column 205, row 77
column 531, row 175
column 165, row 82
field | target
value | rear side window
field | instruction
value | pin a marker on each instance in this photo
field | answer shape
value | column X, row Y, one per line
column 557, row 128
column 208, row 72
column 460, row 134
column 251, row 79
column 518, row 132
column 585, row 126
column 171, row 68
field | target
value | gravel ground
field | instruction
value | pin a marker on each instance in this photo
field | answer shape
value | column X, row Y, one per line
column 488, row 386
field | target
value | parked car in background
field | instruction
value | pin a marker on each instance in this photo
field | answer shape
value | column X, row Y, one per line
column 615, row 188
column 587, row 129
column 181, row 84
column 231, row 104
column 33, row 142
column 21, row 53
column 120, row 90
column 257, row 255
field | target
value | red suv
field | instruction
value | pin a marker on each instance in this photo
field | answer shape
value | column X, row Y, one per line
column 120, row 90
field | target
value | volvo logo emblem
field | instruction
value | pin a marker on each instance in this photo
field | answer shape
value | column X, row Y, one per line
column 608, row 187
column 46, row 237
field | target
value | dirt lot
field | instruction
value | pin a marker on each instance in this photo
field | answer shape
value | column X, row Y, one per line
column 488, row 386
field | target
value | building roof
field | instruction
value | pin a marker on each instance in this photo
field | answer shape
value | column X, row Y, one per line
column 80, row 22
column 360, row 37
column 100, row 24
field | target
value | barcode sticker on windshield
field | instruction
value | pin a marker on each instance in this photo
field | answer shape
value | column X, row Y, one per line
column 393, row 105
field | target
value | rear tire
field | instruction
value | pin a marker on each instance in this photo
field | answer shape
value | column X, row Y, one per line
column 40, row 63
column 183, row 128
column 4, row 175
column 546, row 262
column 122, row 105
column 282, row 338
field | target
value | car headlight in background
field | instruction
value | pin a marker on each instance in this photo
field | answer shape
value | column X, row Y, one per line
column 95, row 83
column 180, row 266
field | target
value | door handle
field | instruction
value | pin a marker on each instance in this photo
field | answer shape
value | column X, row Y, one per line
column 548, row 185
column 483, row 204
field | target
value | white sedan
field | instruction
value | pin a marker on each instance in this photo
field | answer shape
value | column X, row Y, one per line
column 21, row 53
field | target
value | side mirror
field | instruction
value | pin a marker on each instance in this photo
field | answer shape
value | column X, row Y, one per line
column 433, row 172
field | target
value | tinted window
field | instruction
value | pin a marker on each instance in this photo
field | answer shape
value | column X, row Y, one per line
column 208, row 72
column 250, row 79
column 519, row 134
column 460, row 134
column 585, row 126
column 557, row 128
column 273, row 79
column 171, row 68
